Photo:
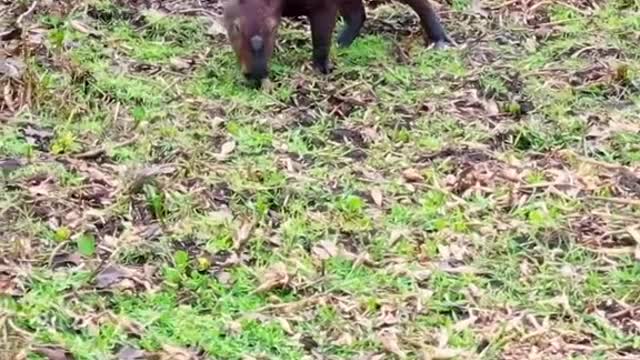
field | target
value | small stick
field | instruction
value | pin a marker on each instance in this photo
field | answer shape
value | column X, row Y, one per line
column 621, row 201
column 101, row 150
column 27, row 13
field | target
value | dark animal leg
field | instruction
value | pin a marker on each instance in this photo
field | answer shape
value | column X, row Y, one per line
column 354, row 16
column 322, row 23
column 430, row 22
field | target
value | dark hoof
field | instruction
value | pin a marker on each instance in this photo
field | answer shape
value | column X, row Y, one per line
column 444, row 43
column 441, row 45
column 344, row 42
column 254, row 83
column 322, row 66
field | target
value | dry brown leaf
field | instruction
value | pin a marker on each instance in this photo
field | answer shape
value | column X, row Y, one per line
column 276, row 276
column 325, row 250
column 286, row 326
column 83, row 28
column 412, row 175
column 220, row 216
column 122, row 278
column 397, row 234
column 130, row 353
column 370, row 133
column 389, row 341
column 228, row 147
column 145, row 175
column 53, row 352
column 477, row 8
column 12, row 68
column 376, row 195
column 492, row 107
column 178, row 64
column 441, row 354
column 9, row 165
column 233, row 327
column 170, row 352
column 388, row 316
column 345, row 339
column 216, row 28
column 242, row 235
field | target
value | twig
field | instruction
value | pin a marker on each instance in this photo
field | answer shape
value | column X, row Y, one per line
column 294, row 304
column 198, row 10
column 621, row 201
column 101, row 150
column 19, row 330
column 55, row 252
column 26, row 13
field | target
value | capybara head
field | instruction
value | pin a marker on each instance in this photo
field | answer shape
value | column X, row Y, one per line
column 251, row 28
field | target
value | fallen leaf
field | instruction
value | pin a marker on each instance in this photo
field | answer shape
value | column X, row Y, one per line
column 285, row 326
column 109, row 276
column 228, row 147
column 462, row 269
column 412, row 175
column 325, row 250
column 388, row 316
column 130, row 353
column 376, row 195
column 242, row 235
column 83, row 28
column 441, row 354
column 178, row 64
column 53, row 352
column 397, row 234
column 145, row 175
column 223, row 277
column 66, row 259
column 9, row 282
column 12, row 68
column 276, row 276
column 389, row 342
column 119, row 277
column 476, row 7
column 220, row 216
column 492, row 107
column 37, row 135
column 370, row 133
column 216, row 28
column 233, row 327
column 170, row 352
column 9, row 165
column 344, row 340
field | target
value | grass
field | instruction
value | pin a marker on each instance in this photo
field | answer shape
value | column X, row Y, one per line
column 475, row 202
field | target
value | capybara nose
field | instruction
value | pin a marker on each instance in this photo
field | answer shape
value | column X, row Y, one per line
column 253, row 80
column 256, row 76
column 257, row 73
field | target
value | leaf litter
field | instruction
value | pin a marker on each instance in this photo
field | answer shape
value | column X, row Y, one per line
column 496, row 180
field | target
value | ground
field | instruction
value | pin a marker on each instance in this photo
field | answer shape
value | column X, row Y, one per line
column 476, row 202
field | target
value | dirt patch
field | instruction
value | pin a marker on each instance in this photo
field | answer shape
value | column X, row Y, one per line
column 348, row 136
